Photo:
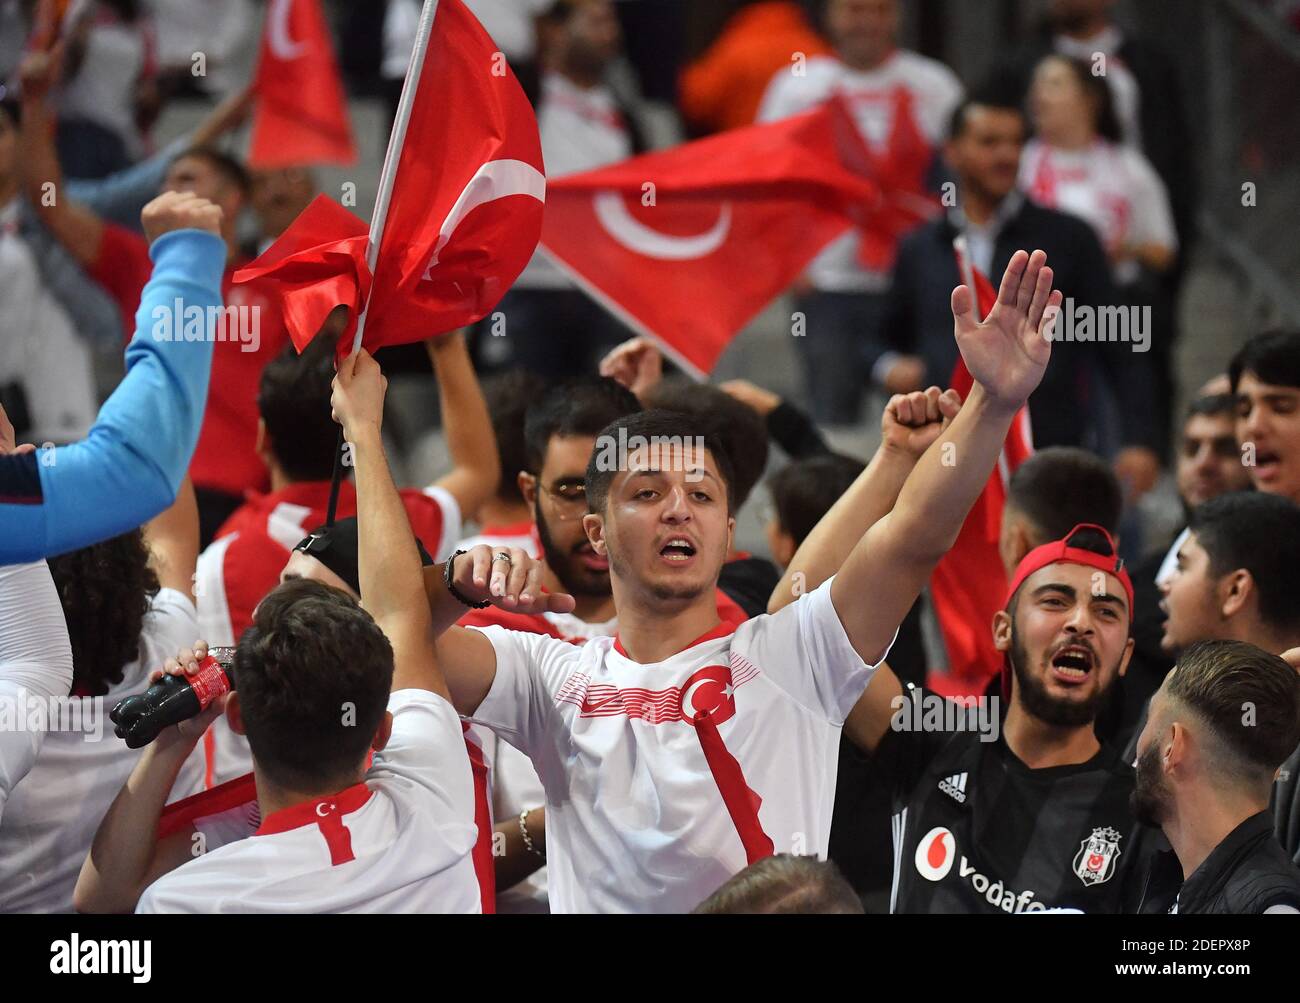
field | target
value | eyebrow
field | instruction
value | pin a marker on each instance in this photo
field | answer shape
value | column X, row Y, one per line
column 655, row 472
column 1069, row 590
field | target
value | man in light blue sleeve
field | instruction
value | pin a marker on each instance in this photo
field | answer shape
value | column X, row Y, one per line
column 130, row 465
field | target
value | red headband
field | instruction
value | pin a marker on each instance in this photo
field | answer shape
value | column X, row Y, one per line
column 1060, row 552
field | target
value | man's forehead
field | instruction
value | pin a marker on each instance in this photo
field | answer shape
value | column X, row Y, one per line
column 1251, row 385
column 1078, row 576
column 1209, row 426
column 567, row 455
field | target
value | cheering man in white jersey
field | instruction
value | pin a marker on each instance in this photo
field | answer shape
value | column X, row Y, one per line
column 682, row 749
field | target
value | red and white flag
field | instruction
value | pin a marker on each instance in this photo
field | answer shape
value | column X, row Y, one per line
column 459, row 210
column 968, row 585
column 686, row 245
column 301, row 114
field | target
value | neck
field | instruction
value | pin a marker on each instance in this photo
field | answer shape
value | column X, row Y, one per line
column 866, row 63
column 1078, row 136
column 279, row 479
column 579, row 76
column 977, row 206
column 1038, row 744
column 1201, row 819
column 497, row 512
column 1276, row 641
column 271, row 797
column 654, row 630
column 588, row 608
column 1087, row 30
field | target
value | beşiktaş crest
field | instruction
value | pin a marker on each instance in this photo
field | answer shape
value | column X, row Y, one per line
column 1095, row 861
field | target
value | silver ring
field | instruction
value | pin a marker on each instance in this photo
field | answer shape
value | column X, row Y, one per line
column 502, row 557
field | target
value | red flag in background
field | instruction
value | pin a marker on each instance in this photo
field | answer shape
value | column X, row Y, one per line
column 465, row 186
column 686, row 245
column 301, row 115
column 968, row 585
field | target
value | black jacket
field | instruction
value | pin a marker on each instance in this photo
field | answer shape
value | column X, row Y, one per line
column 918, row 321
column 1286, row 807
column 1245, row 874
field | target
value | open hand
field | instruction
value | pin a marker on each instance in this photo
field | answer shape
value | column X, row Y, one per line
column 1007, row 353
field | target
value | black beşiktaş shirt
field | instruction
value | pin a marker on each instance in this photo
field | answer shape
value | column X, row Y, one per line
column 1245, row 874
column 978, row 831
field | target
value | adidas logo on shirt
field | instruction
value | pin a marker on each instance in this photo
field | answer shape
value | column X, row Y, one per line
column 955, row 787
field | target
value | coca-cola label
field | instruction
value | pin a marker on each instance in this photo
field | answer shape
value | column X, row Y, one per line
column 209, row 682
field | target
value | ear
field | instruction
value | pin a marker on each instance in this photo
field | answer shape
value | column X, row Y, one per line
column 234, row 713
column 1175, row 747
column 1127, row 656
column 527, row 487
column 383, row 733
column 259, row 444
column 731, row 533
column 1013, row 545
column 1002, row 630
column 594, row 526
column 783, row 548
column 1235, row 590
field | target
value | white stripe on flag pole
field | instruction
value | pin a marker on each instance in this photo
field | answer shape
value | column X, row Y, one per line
column 967, row 271
column 396, row 140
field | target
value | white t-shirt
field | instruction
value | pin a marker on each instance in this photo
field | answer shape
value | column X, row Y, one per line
column 935, row 92
column 400, row 842
column 635, row 821
column 53, row 813
column 35, row 666
column 1112, row 188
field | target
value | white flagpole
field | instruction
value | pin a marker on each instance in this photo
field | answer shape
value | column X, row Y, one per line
column 396, row 140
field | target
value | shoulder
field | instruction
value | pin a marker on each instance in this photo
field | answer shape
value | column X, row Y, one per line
column 927, row 72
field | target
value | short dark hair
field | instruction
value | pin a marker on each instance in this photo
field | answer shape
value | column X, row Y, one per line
column 293, row 399
column 654, row 426
column 314, row 673
column 1061, row 487
column 1250, row 700
column 1261, row 533
column 1212, row 406
column 226, row 165
column 509, row 395
column 583, row 406
column 106, row 591
column 741, row 430
column 960, row 116
column 784, row 883
column 805, row 490
column 1274, row 357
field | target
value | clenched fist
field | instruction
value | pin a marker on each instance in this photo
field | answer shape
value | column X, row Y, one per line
column 179, row 211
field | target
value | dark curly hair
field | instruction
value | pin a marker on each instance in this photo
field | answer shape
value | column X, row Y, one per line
column 106, row 589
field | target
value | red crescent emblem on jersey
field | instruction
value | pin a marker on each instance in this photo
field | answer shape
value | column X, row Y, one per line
column 708, row 690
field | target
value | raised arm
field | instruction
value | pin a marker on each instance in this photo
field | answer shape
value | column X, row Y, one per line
column 467, row 425
column 127, row 856
column 388, row 563
column 1006, row 355
column 909, row 426
column 130, row 465
column 75, row 226
column 173, row 540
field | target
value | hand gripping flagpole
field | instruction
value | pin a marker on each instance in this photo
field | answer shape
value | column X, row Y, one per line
column 387, row 178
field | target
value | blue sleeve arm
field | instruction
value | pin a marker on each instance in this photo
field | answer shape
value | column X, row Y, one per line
column 129, row 467
column 120, row 196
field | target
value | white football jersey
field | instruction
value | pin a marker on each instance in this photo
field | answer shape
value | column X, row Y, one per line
column 635, row 819
column 934, row 91
column 53, row 814
column 398, row 842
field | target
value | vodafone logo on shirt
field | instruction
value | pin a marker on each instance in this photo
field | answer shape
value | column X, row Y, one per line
column 935, row 854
